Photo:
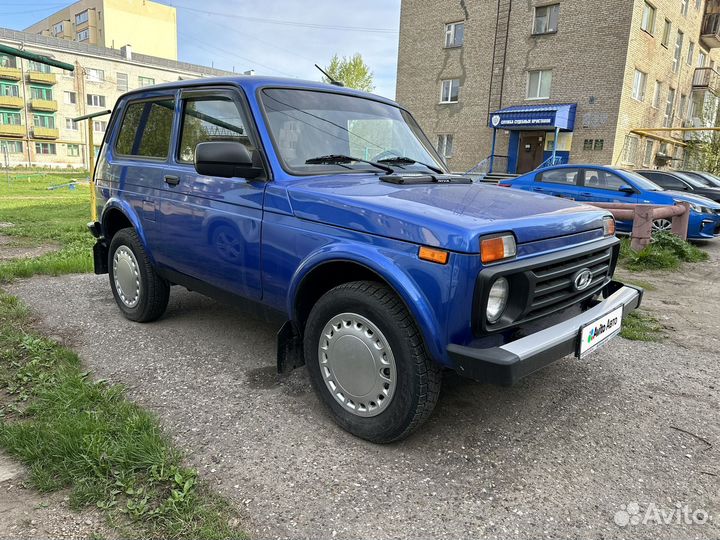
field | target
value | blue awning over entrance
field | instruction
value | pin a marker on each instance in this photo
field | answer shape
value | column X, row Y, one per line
column 542, row 117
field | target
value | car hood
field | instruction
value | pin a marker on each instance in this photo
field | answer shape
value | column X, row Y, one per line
column 695, row 199
column 451, row 216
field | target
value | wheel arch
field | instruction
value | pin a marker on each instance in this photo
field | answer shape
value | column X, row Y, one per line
column 118, row 214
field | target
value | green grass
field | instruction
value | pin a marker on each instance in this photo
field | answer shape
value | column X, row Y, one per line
column 666, row 252
column 40, row 216
column 640, row 326
column 73, row 432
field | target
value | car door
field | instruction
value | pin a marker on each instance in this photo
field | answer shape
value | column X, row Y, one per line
column 562, row 182
column 212, row 225
column 601, row 185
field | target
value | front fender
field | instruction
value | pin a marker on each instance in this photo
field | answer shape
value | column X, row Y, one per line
column 384, row 263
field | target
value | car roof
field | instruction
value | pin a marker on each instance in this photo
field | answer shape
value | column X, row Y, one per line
column 251, row 83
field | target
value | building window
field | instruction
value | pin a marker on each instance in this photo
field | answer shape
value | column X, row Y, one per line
column 73, row 150
column 631, row 150
column 9, row 89
column 83, row 35
column 639, row 85
column 667, row 30
column 445, row 145
column 702, row 58
column 45, row 148
column 656, row 94
column 122, row 82
column 12, row 147
column 57, row 29
column 691, row 53
column 81, row 18
column 678, row 51
column 69, row 98
column 8, row 118
column 588, row 144
column 41, row 92
column 599, row 144
column 37, row 66
column 539, row 84
column 684, row 7
column 95, row 100
column 71, row 124
column 546, row 19
column 95, row 75
column 8, row 61
column 450, row 91
column 683, row 107
column 44, row 120
column 648, row 18
column 99, row 126
column 145, row 81
column 454, row 34
column 668, row 118
column 648, row 156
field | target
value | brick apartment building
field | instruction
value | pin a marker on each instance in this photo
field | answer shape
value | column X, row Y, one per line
column 562, row 80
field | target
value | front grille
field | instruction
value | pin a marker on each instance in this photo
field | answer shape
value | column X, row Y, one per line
column 546, row 286
column 553, row 286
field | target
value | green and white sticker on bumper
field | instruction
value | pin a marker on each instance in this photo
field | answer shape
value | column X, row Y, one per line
column 599, row 332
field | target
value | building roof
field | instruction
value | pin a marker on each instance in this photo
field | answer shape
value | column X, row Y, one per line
column 517, row 117
column 7, row 34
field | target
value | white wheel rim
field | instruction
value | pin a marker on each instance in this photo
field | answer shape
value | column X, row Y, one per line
column 126, row 276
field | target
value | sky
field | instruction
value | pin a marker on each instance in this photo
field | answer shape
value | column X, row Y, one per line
column 273, row 37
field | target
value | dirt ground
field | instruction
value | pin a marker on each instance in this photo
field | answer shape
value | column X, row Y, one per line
column 12, row 247
column 604, row 448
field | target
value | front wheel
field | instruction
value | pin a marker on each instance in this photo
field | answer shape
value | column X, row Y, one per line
column 139, row 292
column 367, row 361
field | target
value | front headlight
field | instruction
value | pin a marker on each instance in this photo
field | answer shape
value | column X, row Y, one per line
column 608, row 226
column 497, row 300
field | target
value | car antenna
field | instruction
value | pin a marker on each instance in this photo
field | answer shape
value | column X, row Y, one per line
column 332, row 81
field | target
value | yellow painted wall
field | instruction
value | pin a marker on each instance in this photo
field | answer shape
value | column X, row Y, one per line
column 149, row 27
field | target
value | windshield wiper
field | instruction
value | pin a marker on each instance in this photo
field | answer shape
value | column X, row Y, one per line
column 402, row 160
column 339, row 159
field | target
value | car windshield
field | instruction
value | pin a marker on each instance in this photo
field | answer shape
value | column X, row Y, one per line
column 640, row 181
column 315, row 132
column 694, row 182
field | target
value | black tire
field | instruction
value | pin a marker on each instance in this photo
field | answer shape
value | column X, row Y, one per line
column 154, row 291
column 418, row 378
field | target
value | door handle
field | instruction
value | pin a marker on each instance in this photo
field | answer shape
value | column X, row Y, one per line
column 539, row 189
column 172, row 180
column 586, row 194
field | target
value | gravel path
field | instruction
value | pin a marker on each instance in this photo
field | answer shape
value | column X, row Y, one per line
column 555, row 457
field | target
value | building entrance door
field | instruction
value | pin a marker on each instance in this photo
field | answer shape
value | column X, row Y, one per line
column 531, row 151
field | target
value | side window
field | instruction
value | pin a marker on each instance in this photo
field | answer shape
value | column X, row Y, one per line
column 566, row 177
column 210, row 118
column 603, row 180
column 146, row 129
column 666, row 181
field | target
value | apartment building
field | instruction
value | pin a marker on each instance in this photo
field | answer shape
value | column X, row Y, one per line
column 150, row 28
column 38, row 102
column 513, row 85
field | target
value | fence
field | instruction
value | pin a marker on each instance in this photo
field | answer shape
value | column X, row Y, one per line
column 648, row 217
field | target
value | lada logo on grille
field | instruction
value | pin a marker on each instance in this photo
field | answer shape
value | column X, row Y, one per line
column 582, row 279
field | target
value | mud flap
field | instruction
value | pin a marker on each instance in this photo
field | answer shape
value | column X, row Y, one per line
column 289, row 348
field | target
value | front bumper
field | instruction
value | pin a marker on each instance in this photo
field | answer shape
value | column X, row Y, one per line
column 511, row 362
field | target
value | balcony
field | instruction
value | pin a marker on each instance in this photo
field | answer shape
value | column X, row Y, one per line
column 45, row 133
column 48, row 105
column 10, row 73
column 12, row 130
column 710, row 32
column 42, row 78
column 11, row 102
column 707, row 79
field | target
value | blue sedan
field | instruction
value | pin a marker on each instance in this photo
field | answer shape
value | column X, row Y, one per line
column 592, row 183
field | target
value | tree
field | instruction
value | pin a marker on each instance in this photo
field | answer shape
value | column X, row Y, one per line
column 353, row 72
column 703, row 150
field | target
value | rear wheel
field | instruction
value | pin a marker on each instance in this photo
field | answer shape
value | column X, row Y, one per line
column 367, row 361
column 139, row 292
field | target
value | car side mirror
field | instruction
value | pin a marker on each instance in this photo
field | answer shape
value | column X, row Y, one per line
column 227, row 159
column 628, row 190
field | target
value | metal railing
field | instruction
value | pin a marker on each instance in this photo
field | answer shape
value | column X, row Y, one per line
column 707, row 78
column 549, row 162
column 488, row 165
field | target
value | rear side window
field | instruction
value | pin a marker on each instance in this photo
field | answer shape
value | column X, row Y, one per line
column 214, row 118
column 146, row 128
column 603, row 180
column 566, row 177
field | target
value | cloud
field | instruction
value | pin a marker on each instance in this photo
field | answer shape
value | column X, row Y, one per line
column 241, row 35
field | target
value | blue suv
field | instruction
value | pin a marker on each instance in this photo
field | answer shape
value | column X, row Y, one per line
column 592, row 183
column 329, row 211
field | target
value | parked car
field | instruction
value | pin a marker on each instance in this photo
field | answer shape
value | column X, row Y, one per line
column 593, row 183
column 328, row 210
column 706, row 178
column 678, row 181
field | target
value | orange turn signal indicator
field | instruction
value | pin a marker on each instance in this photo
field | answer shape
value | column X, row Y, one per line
column 497, row 248
column 433, row 255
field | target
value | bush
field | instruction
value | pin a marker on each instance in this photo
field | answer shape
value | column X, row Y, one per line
column 666, row 252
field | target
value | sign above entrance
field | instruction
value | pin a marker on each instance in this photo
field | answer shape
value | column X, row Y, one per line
column 535, row 117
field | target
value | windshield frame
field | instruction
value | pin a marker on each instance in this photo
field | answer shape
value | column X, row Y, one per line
column 417, row 130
